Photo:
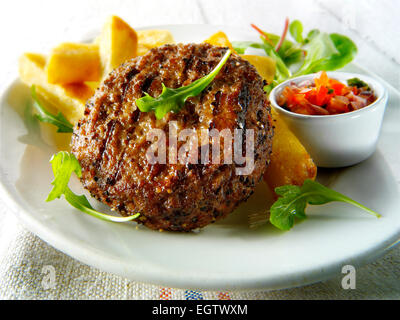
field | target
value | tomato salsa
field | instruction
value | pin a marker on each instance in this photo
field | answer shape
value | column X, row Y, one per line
column 326, row 96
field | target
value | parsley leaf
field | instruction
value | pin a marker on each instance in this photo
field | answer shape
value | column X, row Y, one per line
column 293, row 202
column 64, row 164
column 43, row 115
column 174, row 99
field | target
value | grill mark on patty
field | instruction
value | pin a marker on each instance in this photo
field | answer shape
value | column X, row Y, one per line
column 201, row 66
column 135, row 115
column 147, row 83
column 110, row 129
column 187, row 63
column 216, row 102
column 129, row 78
column 127, row 142
column 117, row 172
column 244, row 101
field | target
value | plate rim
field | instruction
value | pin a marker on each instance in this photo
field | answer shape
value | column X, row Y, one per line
column 72, row 248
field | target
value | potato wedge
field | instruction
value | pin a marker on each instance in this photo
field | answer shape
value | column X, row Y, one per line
column 73, row 63
column 69, row 99
column 118, row 42
column 93, row 84
column 148, row 39
column 220, row 39
column 290, row 161
column 31, row 68
column 265, row 66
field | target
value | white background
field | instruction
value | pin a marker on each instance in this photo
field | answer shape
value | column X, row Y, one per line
column 372, row 24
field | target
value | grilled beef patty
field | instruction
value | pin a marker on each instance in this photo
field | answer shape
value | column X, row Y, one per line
column 110, row 141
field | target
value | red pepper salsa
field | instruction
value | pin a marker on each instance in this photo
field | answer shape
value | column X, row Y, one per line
column 326, row 96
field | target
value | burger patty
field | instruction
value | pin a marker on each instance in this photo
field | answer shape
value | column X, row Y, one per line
column 111, row 143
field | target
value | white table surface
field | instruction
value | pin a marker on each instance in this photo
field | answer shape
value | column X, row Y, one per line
column 36, row 26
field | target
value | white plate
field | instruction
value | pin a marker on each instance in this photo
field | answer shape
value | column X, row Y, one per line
column 227, row 255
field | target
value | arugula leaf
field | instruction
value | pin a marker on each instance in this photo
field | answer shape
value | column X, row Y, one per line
column 43, row 115
column 174, row 99
column 241, row 46
column 292, row 55
column 63, row 165
column 81, row 203
column 318, row 51
column 282, row 71
column 293, row 202
column 327, row 52
column 296, row 31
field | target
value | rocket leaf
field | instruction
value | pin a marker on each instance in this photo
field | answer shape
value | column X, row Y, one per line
column 294, row 200
column 174, row 99
column 43, row 115
column 64, row 164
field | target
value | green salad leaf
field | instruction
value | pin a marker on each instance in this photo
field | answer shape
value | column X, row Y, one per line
column 282, row 70
column 296, row 31
column 174, row 99
column 316, row 52
column 43, row 115
column 293, row 201
column 327, row 52
column 290, row 52
column 63, row 165
column 313, row 33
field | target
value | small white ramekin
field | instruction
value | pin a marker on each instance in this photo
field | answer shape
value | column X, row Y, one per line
column 337, row 140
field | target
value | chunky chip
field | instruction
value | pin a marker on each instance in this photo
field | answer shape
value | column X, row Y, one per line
column 70, row 99
column 118, row 43
column 220, row 39
column 290, row 161
column 73, row 63
column 148, row 39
